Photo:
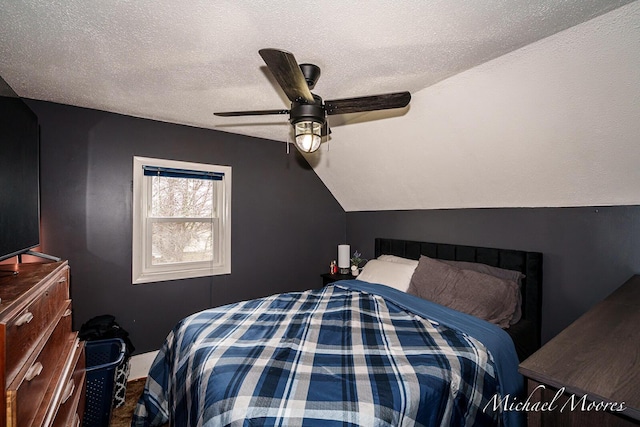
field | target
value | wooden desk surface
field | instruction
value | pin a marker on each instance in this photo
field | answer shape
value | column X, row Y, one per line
column 598, row 354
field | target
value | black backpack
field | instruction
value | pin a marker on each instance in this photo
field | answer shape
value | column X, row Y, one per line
column 104, row 327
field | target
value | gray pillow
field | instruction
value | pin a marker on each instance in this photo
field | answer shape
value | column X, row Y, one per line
column 487, row 297
column 500, row 273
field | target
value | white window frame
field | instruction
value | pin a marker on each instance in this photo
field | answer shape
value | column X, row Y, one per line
column 142, row 269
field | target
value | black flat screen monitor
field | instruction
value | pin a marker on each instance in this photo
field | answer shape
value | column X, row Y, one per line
column 19, row 175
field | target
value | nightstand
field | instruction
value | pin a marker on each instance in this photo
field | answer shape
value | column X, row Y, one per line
column 330, row 278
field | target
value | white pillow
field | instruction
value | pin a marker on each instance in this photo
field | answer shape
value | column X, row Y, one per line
column 398, row 259
column 394, row 274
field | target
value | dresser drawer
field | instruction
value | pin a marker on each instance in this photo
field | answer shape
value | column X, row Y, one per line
column 25, row 329
column 29, row 394
column 70, row 405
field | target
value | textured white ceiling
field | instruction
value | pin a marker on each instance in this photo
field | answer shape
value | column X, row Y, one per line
column 553, row 124
column 181, row 61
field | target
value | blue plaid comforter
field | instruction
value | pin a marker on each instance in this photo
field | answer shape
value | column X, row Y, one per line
column 328, row 357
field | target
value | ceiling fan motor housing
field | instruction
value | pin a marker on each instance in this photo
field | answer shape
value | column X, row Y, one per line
column 311, row 74
column 303, row 111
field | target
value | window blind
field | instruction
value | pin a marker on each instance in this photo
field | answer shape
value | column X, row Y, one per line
column 181, row 173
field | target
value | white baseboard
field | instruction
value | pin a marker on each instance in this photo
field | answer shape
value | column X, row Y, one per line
column 140, row 364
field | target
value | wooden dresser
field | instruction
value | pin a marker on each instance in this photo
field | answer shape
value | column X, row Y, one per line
column 595, row 362
column 42, row 360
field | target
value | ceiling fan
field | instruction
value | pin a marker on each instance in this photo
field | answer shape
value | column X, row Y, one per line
column 308, row 113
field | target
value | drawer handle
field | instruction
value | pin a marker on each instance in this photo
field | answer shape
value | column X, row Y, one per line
column 62, row 279
column 33, row 371
column 24, row 318
column 68, row 391
column 67, row 313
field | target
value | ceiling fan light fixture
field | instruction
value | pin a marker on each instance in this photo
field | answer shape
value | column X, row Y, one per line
column 308, row 135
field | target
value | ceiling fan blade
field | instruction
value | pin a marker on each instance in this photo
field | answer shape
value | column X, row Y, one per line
column 368, row 103
column 250, row 113
column 285, row 69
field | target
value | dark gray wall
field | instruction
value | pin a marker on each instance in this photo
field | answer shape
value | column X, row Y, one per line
column 285, row 223
column 587, row 252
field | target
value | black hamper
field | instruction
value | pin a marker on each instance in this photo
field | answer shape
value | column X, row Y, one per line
column 103, row 357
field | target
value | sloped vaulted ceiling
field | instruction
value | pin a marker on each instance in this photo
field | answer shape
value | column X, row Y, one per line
column 556, row 123
column 515, row 103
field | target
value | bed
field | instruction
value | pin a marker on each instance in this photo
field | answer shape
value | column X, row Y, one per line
column 352, row 353
column 527, row 332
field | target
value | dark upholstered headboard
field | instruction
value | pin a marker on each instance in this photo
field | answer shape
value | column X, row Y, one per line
column 529, row 263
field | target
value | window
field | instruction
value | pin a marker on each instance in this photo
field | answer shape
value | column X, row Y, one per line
column 181, row 220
